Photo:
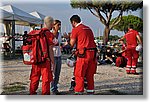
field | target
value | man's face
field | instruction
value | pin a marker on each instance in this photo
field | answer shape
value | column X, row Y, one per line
column 57, row 25
column 51, row 26
column 73, row 24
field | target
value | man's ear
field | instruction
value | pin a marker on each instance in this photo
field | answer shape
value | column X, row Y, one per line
column 44, row 23
column 73, row 22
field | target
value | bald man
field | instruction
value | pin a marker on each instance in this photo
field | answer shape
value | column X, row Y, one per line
column 44, row 69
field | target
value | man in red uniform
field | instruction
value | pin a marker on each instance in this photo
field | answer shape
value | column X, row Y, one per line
column 85, row 67
column 132, row 55
column 43, row 69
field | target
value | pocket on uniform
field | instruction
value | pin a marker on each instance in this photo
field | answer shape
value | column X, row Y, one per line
column 81, row 53
column 80, row 68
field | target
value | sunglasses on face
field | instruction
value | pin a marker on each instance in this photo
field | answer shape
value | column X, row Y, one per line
column 57, row 24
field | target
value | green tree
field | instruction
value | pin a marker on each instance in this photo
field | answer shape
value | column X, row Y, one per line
column 113, row 37
column 104, row 9
column 130, row 19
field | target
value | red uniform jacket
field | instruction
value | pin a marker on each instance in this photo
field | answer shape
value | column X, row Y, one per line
column 130, row 37
column 84, row 35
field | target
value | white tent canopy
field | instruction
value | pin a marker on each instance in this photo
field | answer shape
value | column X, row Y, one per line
column 6, row 15
column 38, row 15
column 20, row 15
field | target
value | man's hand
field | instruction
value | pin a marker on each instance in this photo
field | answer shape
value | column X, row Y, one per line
column 72, row 42
column 139, row 39
column 53, row 66
column 121, row 39
column 65, row 35
column 52, row 56
column 48, row 59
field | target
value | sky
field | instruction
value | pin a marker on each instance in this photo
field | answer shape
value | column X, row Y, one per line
column 62, row 10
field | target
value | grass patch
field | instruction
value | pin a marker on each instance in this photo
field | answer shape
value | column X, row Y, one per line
column 18, row 83
column 14, row 88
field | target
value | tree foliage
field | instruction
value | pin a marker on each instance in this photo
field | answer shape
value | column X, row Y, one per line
column 114, row 37
column 104, row 9
column 127, row 20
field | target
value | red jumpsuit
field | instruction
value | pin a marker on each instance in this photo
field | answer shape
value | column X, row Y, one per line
column 85, row 67
column 131, row 54
column 44, row 70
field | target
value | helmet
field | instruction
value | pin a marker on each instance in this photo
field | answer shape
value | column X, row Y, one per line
column 71, row 61
column 139, row 47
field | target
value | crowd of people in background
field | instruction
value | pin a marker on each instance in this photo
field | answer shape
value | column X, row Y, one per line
column 108, row 54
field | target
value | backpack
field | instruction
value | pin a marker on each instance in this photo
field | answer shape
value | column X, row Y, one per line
column 36, row 49
column 121, row 61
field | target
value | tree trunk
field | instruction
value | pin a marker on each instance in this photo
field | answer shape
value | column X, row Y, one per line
column 106, row 35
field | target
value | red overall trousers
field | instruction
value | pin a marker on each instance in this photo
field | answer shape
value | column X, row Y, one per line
column 85, row 68
column 132, row 58
column 38, row 71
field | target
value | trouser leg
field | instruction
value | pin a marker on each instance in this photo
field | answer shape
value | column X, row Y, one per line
column 134, row 61
column 79, row 84
column 45, row 88
column 57, row 74
column 34, row 86
column 34, row 77
column 91, row 70
column 129, row 60
column 90, row 82
column 46, row 78
column 135, row 58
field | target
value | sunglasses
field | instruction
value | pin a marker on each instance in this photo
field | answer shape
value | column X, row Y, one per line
column 58, row 24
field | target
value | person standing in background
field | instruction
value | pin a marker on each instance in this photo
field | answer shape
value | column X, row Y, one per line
column 57, row 56
column 25, row 37
column 132, row 38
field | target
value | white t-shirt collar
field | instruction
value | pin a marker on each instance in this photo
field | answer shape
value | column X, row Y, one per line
column 78, row 24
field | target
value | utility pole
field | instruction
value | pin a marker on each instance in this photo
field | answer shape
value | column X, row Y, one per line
column 13, row 38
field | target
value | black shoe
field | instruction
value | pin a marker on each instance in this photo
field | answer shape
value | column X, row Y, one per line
column 136, row 73
column 55, row 92
column 71, row 88
column 90, row 93
column 78, row 93
column 85, row 85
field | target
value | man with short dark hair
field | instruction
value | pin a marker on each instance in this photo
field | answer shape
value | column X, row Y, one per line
column 86, row 63
column 75, row 18
column 132, row 36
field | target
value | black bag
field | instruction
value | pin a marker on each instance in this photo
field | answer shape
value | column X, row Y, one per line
column 81, row 53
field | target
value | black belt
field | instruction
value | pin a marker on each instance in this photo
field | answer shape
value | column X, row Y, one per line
column 93, row 49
